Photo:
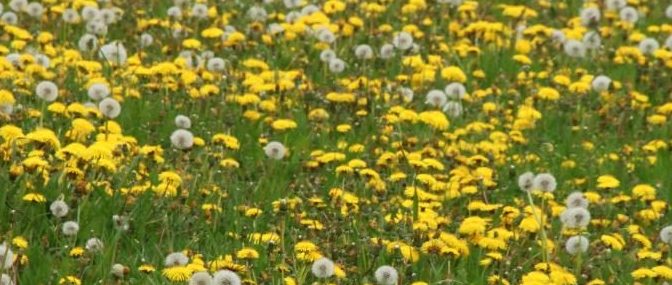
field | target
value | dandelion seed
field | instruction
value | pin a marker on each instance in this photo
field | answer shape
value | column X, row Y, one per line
column 323, row 268
column 119, row 270
column 436, row 98
column 226, row 277
column 146, row 40
column 59, row 208
column 574, row 218
column 182, row 122
column 256, row 13
column 275, row 150
column 615, row 5
column 18, row 5
column 70, row 228
column 648, row 45
column 70, row 16
column 453, row 109
column 98, row 91
column 109, row 108
column 386, row 275
column 182, row 139
column 666, row 235
column 526, row 181
column 176, row 259
column 9, row 18
column 34, row 10
column 544, row 182
column 200, row 278
column 574, row 48
column 336, row 65
column 576, row 244
column 668, row 12
column 386, row 51
column 326, row 36
column 668, row 42
column 6, row 256
column 174, row 12
column 89, row 13
column 216, row 64
column 455, row 91
column 327, row 55
column 94, row 245
column 114, row 52
column 601, row 83
column 590, row 16
column 403, row 41
column 47, row 91
column 592, row 40
column 199, row 11
column 87, row 43
column 576, row 200
column 406, row 94
column 363, row 52
column 629, row 14
column 120, row 223
column 6, row 280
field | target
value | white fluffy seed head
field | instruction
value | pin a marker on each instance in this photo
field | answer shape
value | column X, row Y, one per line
column 436, row 98
column 94, row 245
column 648, row 45
column 575, row 218
column 98, row 91
column 629, row 14
column 70, row 228
column 336, row 65
column 386, row 275
column 327, row 55
column 455, row 91
column 590, row 16
column 615, row 5
column 275, row 150
column 6, row 256
column 200, row 278
column 574, row 48
column 403, row 41
column 363, row 52
column 668, row 12
column 118, row 270
column 453, row 109
column 386, row 51
column 226, row 277
column 114, row 52
column 666, row 235
column 182, row 122
column 176, row 259
column 182, row 139
column 576, row 245
column 544, row 182
column 59, row 208
column 526, row 181
column 406, row 93
column 6, row 280
column 576, row 200
column 601, row 83
column 323, row 268
column 216, row 64
column 109, row 107
column 47, row 91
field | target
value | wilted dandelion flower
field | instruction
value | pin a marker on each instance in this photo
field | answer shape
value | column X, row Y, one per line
column 601, row 83
column 6, row 280
column 386, row 51
column 327, row 55
column 226, row 277
column 119, row 270
column 574, row 48
column 70, row 228
column 47, row 91
column 323, row 268
column 455, row 91
column 544, row 182
column 59, row 208
column 648, row 45
column 94, row 245
column 363, row 52
column 182, row 122
column 526, row 181
column 436, row 98
column 576, row 244
column 114, row 52
column 403, row 41
column 336, row 65
column 176, row 259
column 575, row 218
column 614, row 5
column 275, row 150
column 454, row 109
column 590, row 16
column 109, row 108
column 200, row 278
column 87, row 43
column 666, row 235
column 386, row 275
column 216, row 64
column 629, row 14
column 98, row 91
column 6, row 256
column 576, row 200
column 182, row 139
column 199, row 11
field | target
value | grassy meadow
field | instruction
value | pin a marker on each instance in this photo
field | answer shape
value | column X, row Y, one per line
column 335, row 142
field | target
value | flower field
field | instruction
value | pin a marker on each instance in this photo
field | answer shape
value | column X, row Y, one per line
column 335, row 142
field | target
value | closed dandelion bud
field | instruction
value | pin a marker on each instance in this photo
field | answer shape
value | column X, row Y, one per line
column 6, row 256
column 453, row 109
column 364, row 52
column 98, row 91
column 323, row 268
column 436, row 98
column 94, row 245
column 590, row 16
column 201, row 278
column 576, row 245
column 109, row 108
column 576, row 200
column 403, row 41
column 629, row 14
column 648, row 45
column 544, row 182
column 601, row 83
column 275, row 150
column 47, row 91
column 59, row 208
column 455, row 91
column 666, row 235
column 386, row 275
column 386, row 51
column 182, row 122
column 70, row 228
column 176, row 259
column 182, row 139
column 6, row 280
column 526, row 181
column 574, row 48
column 227, row 277
column 336, row 65
column 574, row 218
